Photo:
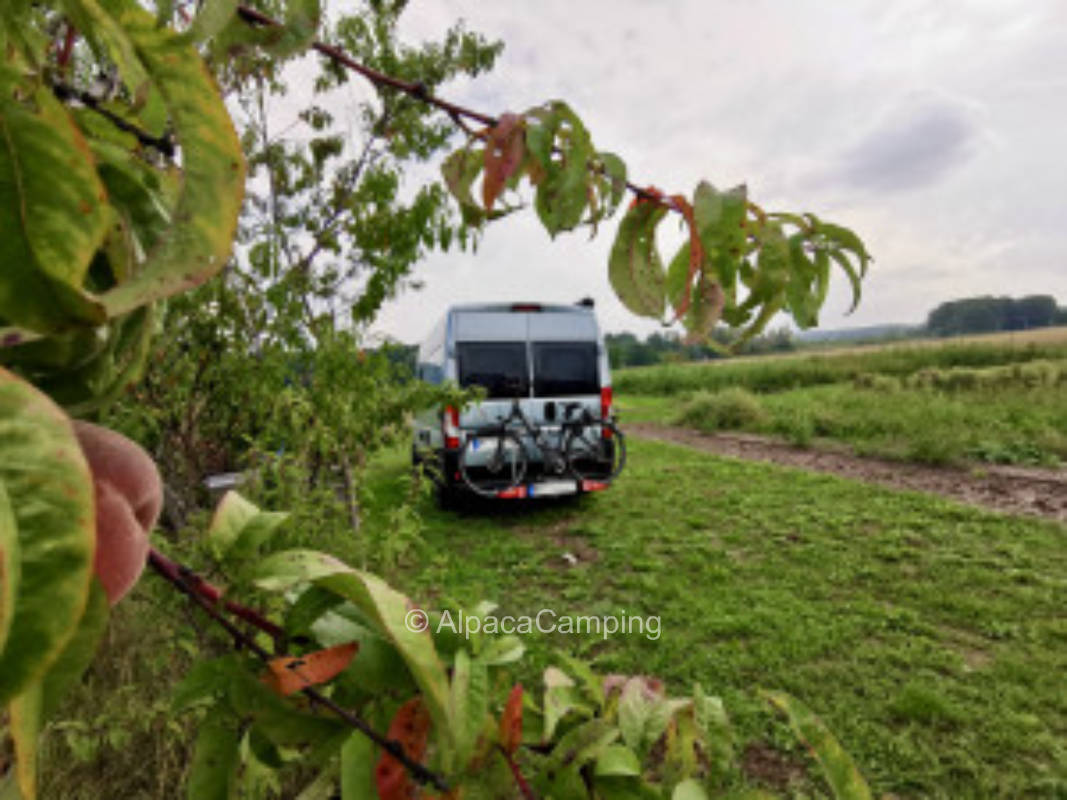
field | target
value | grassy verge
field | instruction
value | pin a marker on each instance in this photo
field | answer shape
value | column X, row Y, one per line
column 930, row 636
column 1008, row 426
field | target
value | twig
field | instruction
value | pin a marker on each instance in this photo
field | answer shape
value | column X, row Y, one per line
column 527, row 792
column 164, row 144
column 414, row 89
column 177, row 575
column 173, row 571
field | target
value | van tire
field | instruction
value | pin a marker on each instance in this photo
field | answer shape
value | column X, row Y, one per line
column 447, row 496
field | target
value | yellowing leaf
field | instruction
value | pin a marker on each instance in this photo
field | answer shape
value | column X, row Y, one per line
column 50, row 492
column 53, row 213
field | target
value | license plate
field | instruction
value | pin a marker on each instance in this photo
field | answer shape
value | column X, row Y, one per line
column 551, row 488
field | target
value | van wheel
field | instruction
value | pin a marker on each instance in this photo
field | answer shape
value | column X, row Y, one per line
column 447, row 497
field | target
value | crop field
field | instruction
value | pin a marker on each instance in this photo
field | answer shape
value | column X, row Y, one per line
column 804, row 368
column 958, row 403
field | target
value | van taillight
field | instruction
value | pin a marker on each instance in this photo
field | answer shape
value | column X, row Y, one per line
column 605, row 408
column 526, row 307
column 450, row 427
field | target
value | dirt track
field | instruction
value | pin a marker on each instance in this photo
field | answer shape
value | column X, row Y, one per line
column 1014, row 490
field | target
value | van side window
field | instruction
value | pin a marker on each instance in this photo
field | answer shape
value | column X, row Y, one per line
column 565, row 368
column 500, row 367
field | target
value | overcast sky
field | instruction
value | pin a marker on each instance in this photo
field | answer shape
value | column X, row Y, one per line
column 934, row 129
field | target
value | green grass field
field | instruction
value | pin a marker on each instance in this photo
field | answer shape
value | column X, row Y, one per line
column 930, row 636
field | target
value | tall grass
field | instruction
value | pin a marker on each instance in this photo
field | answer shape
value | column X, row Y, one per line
column 765, row 375
column 884, row 417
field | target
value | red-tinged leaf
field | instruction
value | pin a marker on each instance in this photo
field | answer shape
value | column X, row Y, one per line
column 696, row 254
column 505, row 151
column 289, row 675
column 511, row 721
column 410, row 728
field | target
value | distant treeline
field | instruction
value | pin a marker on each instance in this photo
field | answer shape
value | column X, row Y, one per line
column 989, row 314
column 626, row 350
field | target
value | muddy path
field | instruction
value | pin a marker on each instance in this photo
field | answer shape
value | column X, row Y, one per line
column 1013, row 490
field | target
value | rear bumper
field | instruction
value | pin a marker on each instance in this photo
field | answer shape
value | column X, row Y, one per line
column 536, row 485
column 551, row 488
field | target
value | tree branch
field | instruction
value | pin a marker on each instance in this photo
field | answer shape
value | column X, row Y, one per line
column 179, row 577
column 414, row 89
column 164, row 144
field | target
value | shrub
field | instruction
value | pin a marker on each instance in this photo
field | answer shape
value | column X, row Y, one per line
column 723, row 410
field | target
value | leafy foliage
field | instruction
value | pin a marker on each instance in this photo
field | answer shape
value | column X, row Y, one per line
column 740, row 265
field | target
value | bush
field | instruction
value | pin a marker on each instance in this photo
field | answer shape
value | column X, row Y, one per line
column 727, row 409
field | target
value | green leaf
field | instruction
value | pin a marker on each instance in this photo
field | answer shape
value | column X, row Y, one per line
column 52, row 225
column 357, row 768
column 281, row 722
column 561, row 697
column 387, row 610
column 206, row 679
column 502, row 650
column 710, row 717
column 288, row 568
column 847, row 240
column 238, row 527
column 213, row 16
column 853, row 276
column 708, row 207
column 617, row 759
column 838, row 767
column 561, row 144
column 469, row 703
column 635, row 269
column 689, row 789
column 459, row 171
column 615, row 172
column 49, row 488
column 213, row 773
column 9, row 564
column 591, row 684
column 582, row 744
column 205, row 216
column 79, row 652
column 322, row 787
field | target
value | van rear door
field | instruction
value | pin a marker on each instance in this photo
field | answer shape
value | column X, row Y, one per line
column 565, row 361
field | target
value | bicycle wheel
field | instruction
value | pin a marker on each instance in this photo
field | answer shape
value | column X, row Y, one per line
column 492, row 463
column 593, row 456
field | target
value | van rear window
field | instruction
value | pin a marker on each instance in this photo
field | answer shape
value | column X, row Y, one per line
column 500, row 367
column 565, row 368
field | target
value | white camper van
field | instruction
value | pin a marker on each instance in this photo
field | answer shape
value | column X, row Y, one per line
column 545, row 426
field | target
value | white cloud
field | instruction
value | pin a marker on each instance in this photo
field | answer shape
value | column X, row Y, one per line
column 931, row 127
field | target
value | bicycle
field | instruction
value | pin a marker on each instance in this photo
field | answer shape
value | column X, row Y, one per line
column 587, row 449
